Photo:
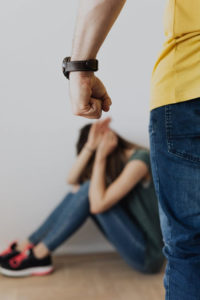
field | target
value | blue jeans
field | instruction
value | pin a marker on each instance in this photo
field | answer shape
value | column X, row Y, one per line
column 174, row 132
column 115, row 224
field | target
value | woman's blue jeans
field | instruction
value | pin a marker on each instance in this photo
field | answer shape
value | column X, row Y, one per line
column 115, row 224
column 174, row 132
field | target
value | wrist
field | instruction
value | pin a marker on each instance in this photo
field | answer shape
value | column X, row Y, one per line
column 89, row 147
column 82, row 56
column 80, row 74
column 100, row 157
column 73, row 66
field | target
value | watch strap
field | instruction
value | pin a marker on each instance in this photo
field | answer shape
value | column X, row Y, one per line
column 79, row 65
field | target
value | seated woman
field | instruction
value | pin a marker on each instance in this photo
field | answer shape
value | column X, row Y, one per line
column 113, row 186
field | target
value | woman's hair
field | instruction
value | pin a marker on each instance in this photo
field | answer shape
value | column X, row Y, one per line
column 115, row 161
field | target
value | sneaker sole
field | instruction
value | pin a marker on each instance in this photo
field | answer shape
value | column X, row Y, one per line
column 37, row 271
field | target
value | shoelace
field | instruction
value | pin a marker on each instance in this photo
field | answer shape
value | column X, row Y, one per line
column 8, row 250
column 17, row 260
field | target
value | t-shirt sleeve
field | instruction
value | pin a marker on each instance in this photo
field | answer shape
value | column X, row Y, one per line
column 142, row 154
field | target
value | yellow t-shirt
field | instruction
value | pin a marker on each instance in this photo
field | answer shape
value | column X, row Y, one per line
column 176, row 74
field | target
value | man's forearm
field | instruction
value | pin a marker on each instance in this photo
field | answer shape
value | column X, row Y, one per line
column 94, row 21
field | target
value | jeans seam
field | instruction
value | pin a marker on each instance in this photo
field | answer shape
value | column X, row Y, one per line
column 168, row 130
column 185, row 156
column 168, row 135
column 168, row 127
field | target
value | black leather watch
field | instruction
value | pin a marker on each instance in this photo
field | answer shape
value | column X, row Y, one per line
column 78, row 65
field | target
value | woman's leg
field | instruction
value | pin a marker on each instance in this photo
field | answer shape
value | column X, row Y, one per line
column 73, row 214
column 47, row 225
column 63, row 223
column 126, row 236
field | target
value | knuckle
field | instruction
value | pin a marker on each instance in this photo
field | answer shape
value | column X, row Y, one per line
column 98, row 115
column 76, row 112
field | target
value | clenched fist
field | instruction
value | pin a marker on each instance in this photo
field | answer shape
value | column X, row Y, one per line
column 88, row 95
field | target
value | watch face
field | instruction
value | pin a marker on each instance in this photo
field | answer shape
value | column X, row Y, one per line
column 64, row 63
column 63, row 66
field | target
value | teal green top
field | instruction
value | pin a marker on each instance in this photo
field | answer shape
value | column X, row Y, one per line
column 142, row 205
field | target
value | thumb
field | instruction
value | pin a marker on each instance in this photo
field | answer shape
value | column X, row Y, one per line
column 106, row 102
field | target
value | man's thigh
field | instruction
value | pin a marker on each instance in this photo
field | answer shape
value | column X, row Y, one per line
column 174, row 132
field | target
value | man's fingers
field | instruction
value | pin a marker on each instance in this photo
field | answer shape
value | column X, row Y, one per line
column 91, row 111
column 84, row 92
column 95, row 108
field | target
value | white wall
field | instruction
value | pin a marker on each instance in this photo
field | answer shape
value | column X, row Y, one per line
column 37, row 129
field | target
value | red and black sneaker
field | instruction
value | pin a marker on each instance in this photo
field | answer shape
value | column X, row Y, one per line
column 8, row 253
column 26, row 264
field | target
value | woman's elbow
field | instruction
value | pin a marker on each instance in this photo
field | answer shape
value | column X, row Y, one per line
column 96, row 209
column 71, row 181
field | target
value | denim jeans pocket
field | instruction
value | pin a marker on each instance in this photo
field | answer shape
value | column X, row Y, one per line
column 182, row 123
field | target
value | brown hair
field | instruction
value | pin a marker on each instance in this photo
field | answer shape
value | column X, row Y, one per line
column 115, row 161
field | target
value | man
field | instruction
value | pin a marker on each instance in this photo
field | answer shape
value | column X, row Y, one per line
column 174, row 126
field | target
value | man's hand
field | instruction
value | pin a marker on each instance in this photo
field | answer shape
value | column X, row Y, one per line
column 88, row 95
column 94, row 20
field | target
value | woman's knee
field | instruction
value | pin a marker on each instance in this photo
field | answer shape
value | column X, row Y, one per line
column 82, row 195
column 83, row 188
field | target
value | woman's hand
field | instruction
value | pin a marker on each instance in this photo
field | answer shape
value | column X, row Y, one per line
column 108, row 143
column 96, row 133
column 88, row 95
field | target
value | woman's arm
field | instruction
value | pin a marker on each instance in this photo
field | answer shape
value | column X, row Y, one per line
column 94, row 137
column 95, row 18
column 79, row 165
column 102, row 198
